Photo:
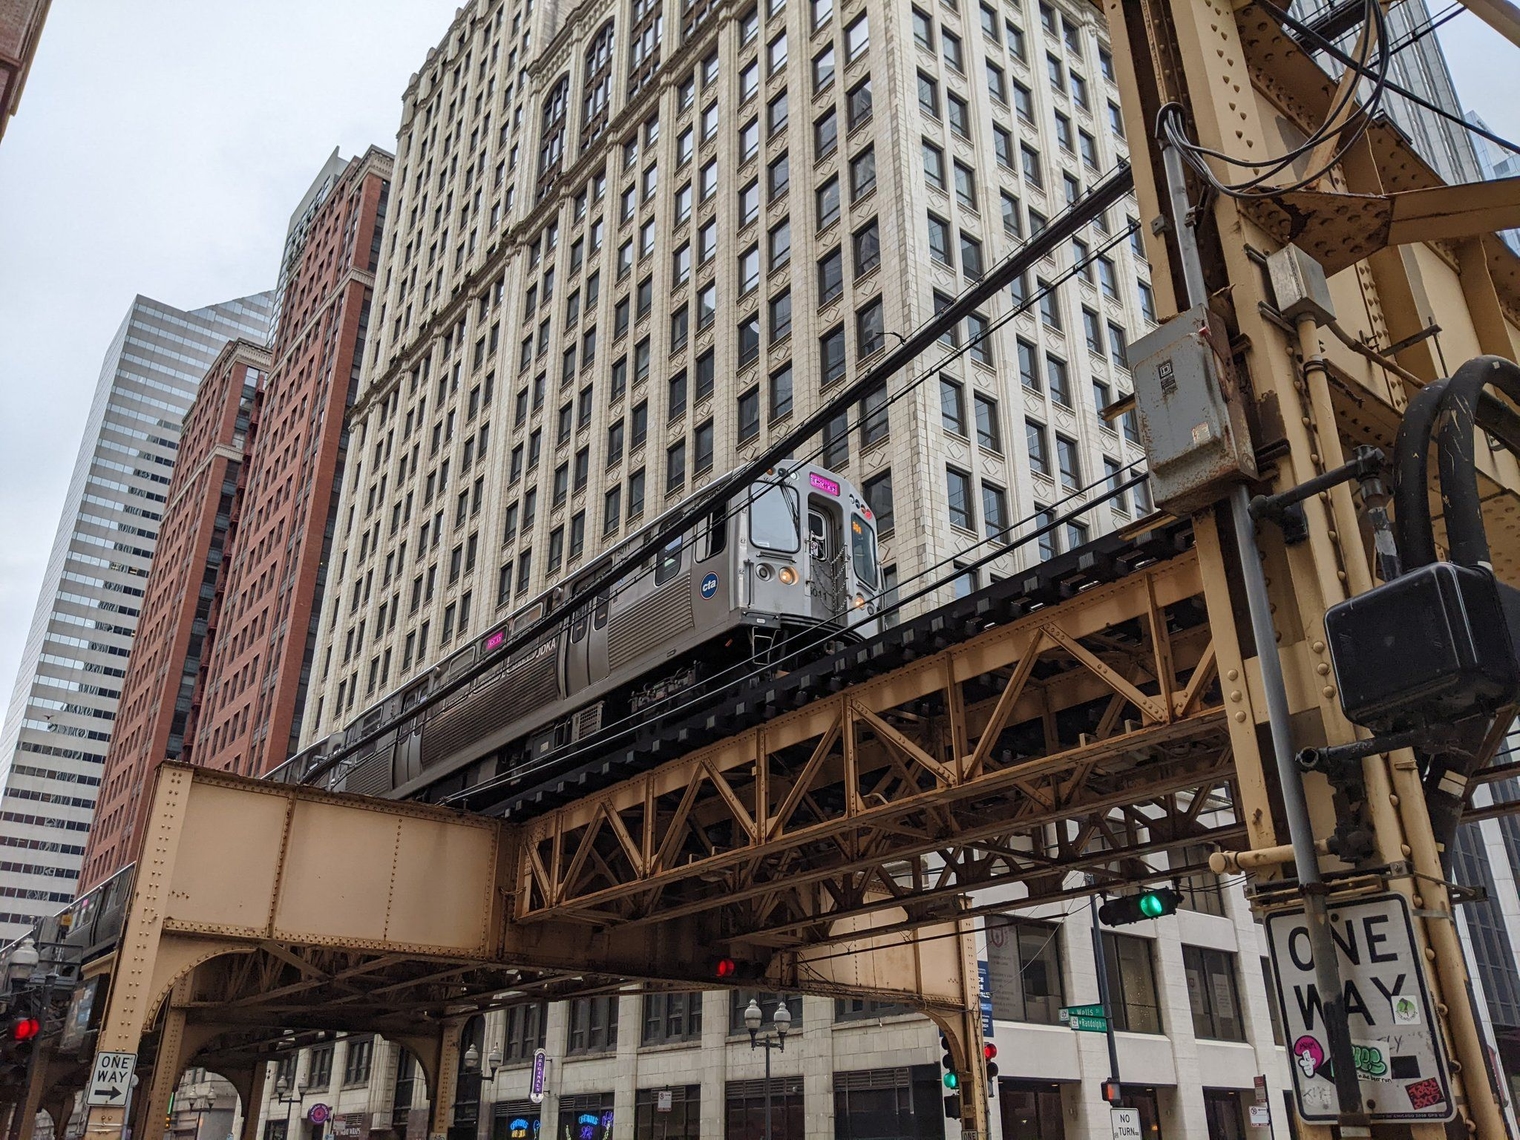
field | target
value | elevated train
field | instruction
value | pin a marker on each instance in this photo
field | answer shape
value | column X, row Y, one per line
column 790, row 564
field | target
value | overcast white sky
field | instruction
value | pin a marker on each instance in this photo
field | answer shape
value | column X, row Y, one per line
column 160, row 148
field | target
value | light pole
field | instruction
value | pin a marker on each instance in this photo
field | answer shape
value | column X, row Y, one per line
column 782, row 1020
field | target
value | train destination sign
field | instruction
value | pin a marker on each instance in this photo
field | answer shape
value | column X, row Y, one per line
column 1400, row 1061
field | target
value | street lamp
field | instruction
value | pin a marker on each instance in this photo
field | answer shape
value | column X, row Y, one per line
column 282, row 1087
column 781, row 1020
column 472, row 1062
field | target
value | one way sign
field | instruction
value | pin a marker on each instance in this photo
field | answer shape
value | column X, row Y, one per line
column 111, row 1080
column 1399, row 1060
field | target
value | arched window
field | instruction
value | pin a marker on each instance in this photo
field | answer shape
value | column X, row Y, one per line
column 551, row 147
column 598, row 85
column 644, row 45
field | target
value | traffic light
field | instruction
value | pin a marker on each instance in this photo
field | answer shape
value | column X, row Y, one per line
column 952, row 1079
column 24, row 1029
column 731, row 971
column 1138, row 908
column 989, row 1053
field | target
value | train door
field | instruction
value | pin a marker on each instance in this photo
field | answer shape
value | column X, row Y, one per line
column 577, row 650
column 825, row 561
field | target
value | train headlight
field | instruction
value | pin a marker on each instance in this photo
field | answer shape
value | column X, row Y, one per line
column 788, row 576
column 763, row 572
column 860, row 601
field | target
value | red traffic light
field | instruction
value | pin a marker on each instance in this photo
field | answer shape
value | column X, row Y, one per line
column 25, row 1028
column 726, row 968
column 989, row 1050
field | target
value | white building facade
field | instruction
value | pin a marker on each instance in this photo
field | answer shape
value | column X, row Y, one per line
column 65, row 698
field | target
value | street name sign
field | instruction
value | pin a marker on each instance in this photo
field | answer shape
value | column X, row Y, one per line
column 111, row 1079
column 1088, row 1024
column 1400, row 1059
column 1067, row 1011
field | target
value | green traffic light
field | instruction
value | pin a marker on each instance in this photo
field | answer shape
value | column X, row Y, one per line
column 952, row 1081
column 1152, row 905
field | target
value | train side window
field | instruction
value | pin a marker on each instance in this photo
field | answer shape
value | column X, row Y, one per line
column 669, row 564
column 715, row 532
column 599, row 618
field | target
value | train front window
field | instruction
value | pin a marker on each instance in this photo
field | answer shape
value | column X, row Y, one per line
column 863, row 551
column 773, row 520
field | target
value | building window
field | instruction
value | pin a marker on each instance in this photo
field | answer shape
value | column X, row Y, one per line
column 1213, row 994
column 863, row 173
column 320, row 1075
column 1024, row 967
column 952, row 406
column 682, row 1120
column 1039, row 456
column 867, row 244
column 749, row 421
column 525, row 1024
column 1131, row 983
column 832, row 354
column 870, row 333
column 593, row 1024
column 878, row 496
column 1067, row 459
column 863, row 1009
column 672, row 1017
column 356, row 1062
column 874, row 424
column 995, row 511
column 781, row 393
column 958, row 491
column 744, row 1109
column 887, row 1102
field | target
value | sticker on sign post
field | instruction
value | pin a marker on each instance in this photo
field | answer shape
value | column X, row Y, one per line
column 111, row 1079
column 1400, row 1059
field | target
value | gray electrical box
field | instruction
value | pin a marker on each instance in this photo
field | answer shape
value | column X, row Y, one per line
column 1192, row 422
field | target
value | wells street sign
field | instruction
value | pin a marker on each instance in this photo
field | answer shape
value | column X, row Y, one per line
column 1088, row 1024
column 1399, row 1057
column 1067, row 1011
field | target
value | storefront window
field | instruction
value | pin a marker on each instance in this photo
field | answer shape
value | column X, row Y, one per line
column 744, row 1110
column 515, row 1120
column 888, row 1104
column 1031, row 1110
column 668, row 1113
column 585, row 1116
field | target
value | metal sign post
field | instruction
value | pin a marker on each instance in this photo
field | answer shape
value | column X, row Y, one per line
column 1400, row 1059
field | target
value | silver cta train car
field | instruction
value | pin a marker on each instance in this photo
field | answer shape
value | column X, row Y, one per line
column 785, row 570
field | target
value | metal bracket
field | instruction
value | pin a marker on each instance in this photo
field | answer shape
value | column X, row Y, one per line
column 1284, row 508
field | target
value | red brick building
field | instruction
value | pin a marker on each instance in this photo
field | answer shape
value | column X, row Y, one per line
column 169, row 649
column 247, row 706
column 20, row 28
